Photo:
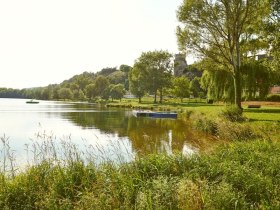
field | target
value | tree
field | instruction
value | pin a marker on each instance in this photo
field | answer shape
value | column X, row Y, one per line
column 181, row 87
column 218, row 29
column 195, row 87
column 101, row 84
column 65, row 93
column 117, row 91
column 91, row 91
column 155, row 69
column 117, row 77
column 272, row 34
column 137, row 81
column 126, row 69
column 46, row 93
column 79, row 95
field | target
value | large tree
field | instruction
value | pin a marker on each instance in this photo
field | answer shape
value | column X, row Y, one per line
column 272, row 34
column 218, row 29
column 137, row 80
column 181, row 87
column 154, row 68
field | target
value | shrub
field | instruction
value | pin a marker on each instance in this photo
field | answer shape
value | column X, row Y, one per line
column 236, row 131
column 233, row 114
column 207, row 126
column 273, row 97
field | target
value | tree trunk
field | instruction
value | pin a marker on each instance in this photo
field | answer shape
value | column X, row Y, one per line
column 160, row 96
column 237, row 89
column 139, row 100
column 155, row 97
column 237, row 76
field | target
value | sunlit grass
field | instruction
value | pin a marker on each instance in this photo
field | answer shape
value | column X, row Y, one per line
column 242, row 175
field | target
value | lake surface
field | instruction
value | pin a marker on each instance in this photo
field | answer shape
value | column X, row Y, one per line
column 109, row 133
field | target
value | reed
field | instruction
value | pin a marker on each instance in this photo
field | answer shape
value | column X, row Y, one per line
column 242, row 175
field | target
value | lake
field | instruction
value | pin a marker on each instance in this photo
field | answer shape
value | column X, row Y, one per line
column 109, row 133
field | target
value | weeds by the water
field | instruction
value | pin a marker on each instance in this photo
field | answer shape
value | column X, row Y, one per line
column 242, row 176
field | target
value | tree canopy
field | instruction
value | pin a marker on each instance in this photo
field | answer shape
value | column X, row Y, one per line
column 219, row 29
column 151, row 73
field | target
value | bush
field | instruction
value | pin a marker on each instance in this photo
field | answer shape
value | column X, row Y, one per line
column 206, row 125
column 236, row 131
column 233, row 114
column 274, row 97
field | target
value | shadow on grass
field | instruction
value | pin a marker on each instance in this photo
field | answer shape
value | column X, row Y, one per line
column 262, row 110
column 182, row 104
column 263, row 120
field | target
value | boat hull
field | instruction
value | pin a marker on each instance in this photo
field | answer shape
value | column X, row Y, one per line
column 137, row 113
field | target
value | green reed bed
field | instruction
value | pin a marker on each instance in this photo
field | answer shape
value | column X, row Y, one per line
column 241, row 175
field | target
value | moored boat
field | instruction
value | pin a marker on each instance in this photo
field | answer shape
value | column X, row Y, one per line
column 148, row 113
column 32, row 102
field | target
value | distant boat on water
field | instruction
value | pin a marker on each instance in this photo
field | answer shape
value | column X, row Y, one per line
column 148, row 113
column 32, row 102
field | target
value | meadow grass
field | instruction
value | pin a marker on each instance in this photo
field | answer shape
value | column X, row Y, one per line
column 242, row 175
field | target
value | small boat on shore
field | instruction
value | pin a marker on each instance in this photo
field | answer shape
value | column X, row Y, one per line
column 148, row 113
column 32, row 102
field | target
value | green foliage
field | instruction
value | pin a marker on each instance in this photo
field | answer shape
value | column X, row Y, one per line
column 117, row 91
column 218, row 84
column 220, row 30
column 106, row 71
column 137, row 84
column 195, row 87
column 65, row 93
column 91, row 93
column 207, row 126
column 151, row 73
column 11, row 93
column 181, row 87
column 273, row 97
column 233, row 114
column 243, row 175
column 257, row 78
column 125, row 68
column 117, row 77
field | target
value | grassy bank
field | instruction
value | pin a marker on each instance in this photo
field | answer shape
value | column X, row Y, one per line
column 239, row 176
column 244, row 173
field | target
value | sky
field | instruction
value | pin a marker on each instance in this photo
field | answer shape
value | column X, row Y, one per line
column 44, row 42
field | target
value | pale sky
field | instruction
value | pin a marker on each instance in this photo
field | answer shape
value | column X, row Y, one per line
column 44, row 42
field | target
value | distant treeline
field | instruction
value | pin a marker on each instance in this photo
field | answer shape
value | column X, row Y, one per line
column 153, row 74
column 11, row 93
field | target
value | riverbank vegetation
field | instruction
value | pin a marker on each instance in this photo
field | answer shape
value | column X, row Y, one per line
column 244, row 175
column 241, row 173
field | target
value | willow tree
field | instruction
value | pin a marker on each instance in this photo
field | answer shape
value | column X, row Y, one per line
column 216, row 29
column 272, row 34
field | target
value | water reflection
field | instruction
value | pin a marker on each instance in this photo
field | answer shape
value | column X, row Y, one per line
column 147, row 135
column 108, row 132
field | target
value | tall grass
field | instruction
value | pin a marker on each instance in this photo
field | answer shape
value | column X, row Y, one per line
column 244, row 175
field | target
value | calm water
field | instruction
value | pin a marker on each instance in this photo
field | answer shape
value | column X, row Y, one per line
column 108, row 132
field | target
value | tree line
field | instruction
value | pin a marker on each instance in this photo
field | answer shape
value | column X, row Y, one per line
column 226, row 35
column 153, row 74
